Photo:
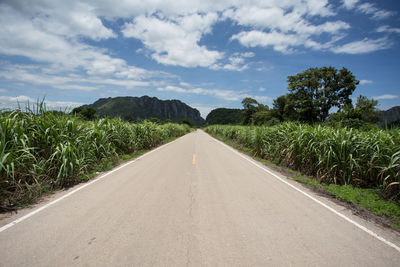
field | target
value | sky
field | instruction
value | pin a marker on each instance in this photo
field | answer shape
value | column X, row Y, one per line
column 205, row 53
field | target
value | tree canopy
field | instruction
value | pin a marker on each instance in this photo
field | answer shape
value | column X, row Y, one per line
column 361, row 115
column 315, row 91
column 225, row 116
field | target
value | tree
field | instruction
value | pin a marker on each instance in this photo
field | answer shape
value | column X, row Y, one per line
column 249, row 108
column 368, row 110
column 87, row 113
column 283, row 109
column 256, row 113
column 264, row 117
column 316, row 90
column 363, row 116
column 225, row 116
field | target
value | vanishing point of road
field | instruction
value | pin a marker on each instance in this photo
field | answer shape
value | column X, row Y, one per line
column 193, row 202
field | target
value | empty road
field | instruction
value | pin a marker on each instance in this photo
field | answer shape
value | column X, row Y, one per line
column 193, row 202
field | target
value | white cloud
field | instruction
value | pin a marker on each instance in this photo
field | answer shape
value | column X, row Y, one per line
column 262, row 89
column 382, row 97
column 246, row 54
column 281, row 19
column 236, row 62
column 349, row 4
column 175, row 42
column 28, row 74
column 386, row 28
column 22, row 101
column 54, row 34
column 184, row 84
column 68, row 18
column 63, row 54
column 74, row 24
column 279, row 41
column 228, row 95
column 65, row 62
column 287, row 38
column 370, row 9
column 365, row 82
column 364, row 46
column 319, row 8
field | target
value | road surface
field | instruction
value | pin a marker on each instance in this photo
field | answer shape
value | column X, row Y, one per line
column 193, row 202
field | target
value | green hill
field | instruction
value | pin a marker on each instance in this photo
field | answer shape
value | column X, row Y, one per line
column 145, row 107
column 391, row 117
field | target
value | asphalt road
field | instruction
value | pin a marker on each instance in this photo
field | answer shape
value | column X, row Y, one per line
column 193, row 202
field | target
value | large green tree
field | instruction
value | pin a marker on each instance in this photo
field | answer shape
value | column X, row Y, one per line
column 315, row 91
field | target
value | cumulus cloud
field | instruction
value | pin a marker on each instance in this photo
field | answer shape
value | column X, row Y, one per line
column 67, row 18
column 363, row 46
column 280, row 42
column 171, row 31
column 236, row 62
column 52, row 39
column 20, row 37
column 286, row 29
column 175, row 42
column 284, row 20
column 349, row 4
column 54, row 36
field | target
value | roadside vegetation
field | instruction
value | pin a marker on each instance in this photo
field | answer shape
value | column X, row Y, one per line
column 332, row 155
column 45, row 150
column 315, row 96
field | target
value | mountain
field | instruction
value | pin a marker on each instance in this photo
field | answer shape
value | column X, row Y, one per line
column 225, row 116
column 391, row 116
column 145, row 107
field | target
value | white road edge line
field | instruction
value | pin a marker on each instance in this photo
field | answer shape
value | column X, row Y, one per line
column 23, row 218
column 313, row 198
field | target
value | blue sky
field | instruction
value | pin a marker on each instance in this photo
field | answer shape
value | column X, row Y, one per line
column 207, row 54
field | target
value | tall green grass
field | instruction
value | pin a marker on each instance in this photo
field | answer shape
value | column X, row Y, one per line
column 41, row 151
column 333, row 155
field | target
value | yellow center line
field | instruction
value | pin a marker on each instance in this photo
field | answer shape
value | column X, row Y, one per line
column 194, row 159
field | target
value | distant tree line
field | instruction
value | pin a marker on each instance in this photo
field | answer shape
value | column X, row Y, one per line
column 312, row 96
